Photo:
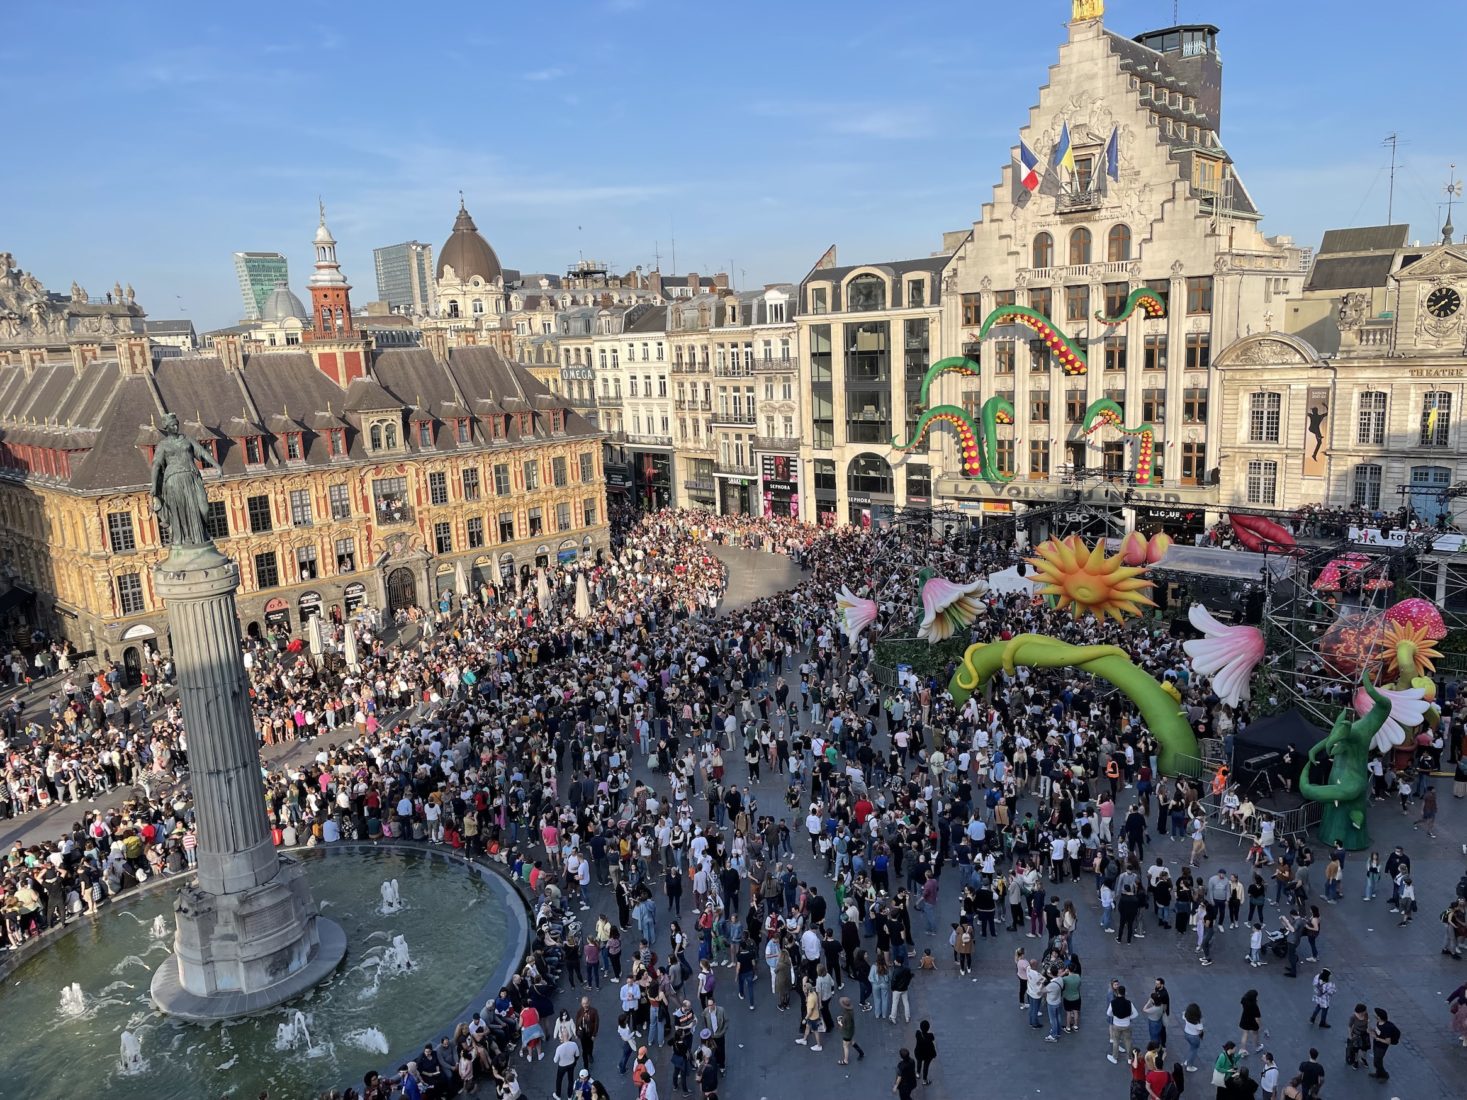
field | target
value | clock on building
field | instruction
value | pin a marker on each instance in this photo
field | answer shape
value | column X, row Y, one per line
column 1443, row 302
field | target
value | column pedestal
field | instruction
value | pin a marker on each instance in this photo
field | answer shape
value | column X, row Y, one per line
column 247, row 932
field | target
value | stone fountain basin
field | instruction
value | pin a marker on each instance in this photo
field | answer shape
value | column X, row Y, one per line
column 466, row 928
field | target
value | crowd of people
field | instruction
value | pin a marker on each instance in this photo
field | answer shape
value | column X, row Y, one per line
column 684, row 793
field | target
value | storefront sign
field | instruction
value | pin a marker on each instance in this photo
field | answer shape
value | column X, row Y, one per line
column 310, row 603
column 1189, row 516
column 1436, row 372
column 356, row 595
column 579, row 374
column 618, row 476
column 277, row 614
column 1046, row 493
column 858, row 498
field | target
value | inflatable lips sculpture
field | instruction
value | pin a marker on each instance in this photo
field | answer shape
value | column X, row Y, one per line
column 856, row 613
column 1408, row 710
column 1227, row 655
column 1259, row 534
column 948, row 608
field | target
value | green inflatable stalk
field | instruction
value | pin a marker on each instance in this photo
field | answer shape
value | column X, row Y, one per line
column 1345, row 796
column 1161, row 712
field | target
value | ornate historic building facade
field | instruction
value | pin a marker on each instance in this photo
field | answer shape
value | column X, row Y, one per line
column 1131, row 187
column 350, row 475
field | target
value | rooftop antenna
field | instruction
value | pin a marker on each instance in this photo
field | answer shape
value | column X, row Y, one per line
column 657, row 255
column 1391, row 140
column 1453, row 190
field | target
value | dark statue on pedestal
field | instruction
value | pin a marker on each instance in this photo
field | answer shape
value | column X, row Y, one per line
column 178, row 486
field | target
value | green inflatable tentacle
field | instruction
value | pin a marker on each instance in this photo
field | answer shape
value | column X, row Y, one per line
column 957, row 364
column 994, row 410
column 1106, row 411
column 1162, row 714
column 1071, row 359
column 1146, row 298
column 967, row 436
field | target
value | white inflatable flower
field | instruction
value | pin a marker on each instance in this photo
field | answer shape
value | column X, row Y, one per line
column 1408, row 710
column 1226, row 654
column 949, row 607
column 856, row 613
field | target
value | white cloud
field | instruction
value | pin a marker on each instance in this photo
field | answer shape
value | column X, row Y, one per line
column 552, row 73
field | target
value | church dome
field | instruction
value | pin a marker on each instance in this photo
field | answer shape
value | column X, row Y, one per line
column 467, row 252
column 281, row 305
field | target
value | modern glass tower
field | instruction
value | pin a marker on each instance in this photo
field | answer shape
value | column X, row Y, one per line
column 405, row 276
column 259, row 274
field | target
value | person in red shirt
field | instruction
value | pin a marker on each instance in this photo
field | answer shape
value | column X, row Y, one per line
column 862, row 810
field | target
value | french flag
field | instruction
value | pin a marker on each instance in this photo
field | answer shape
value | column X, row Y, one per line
column 1028, row 167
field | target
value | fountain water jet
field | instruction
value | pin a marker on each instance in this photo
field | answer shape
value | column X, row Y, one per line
column 391, row 898
column 73, row 1001
column 130, row 1060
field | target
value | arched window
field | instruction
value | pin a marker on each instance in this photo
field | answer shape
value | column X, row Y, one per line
column 1079, row 246
column 868, row 473
column 376, row 437
column 1043, row 251
column 453, row 307
column 478, row 306
column 866, row 292
column 1118, row 244
column 391, row 435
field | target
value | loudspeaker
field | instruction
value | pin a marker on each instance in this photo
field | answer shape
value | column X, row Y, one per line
column 1253, row 608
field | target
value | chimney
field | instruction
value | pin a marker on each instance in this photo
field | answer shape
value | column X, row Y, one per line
column 436, row 341
column 654, row 283
column 84, row 354
column 135, row 355
column 721, row 280
column 693, row 282
column 227, row 345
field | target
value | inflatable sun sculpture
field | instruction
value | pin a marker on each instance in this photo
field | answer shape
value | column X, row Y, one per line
column 1084, row 579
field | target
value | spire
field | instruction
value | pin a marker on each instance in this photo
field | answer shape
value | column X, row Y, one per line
column 328, row 271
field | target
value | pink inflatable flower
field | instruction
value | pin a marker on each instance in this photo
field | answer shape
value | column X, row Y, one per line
column 856, row 613
column 1227, row 654
column 1133, row 548
column 948, row 607
column 1408, row 710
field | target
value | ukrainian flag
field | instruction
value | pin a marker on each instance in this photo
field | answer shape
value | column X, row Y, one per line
column 1064, row 156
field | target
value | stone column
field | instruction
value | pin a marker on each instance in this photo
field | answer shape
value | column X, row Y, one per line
column 235, row 851
column 247, row 932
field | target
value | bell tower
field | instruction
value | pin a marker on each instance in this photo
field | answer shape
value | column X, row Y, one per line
column 339, row 350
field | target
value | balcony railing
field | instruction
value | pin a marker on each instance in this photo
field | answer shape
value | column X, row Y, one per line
column 391, row 511
column 785, row 363
column 736, row 469
column 703, row 484
column 776, row 443
column 733, row 370
column 737, row 418
column 691, row 368
column 650, row 440
column 693, row 404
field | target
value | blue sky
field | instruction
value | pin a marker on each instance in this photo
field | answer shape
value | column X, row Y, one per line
column 149, row 141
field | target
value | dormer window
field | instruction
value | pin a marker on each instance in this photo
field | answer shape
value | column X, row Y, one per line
column 211, row 444
column 382, row 435
column 523, row 425
column 496, row 426
column 557, row 420
column 425, row 433
column 776, row 313
column 293, row 450
column 461, row 428
column 335, row 442
column 254, row 452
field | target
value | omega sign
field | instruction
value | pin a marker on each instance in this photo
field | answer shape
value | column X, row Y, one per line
column 1091, row 494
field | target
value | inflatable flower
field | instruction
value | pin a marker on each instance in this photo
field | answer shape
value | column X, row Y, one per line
column 948, row 608
column 856, row 614
column 1084, row 579
column 1407, row 649
column 1133, row 548
column 1157, row 547
column 1408, row 710
column 1226, row 654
